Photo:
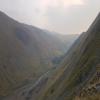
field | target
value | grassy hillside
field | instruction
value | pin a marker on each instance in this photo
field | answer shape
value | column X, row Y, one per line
column 26, row 52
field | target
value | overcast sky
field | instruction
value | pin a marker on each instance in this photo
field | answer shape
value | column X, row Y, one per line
column 62, row 16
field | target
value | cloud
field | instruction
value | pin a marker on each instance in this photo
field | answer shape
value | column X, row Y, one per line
column 31, row 7
column 74, row 19
column 43, row 5
column 63, row 16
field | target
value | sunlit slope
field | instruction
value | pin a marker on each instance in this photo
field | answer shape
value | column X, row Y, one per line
column 26, row 52
column 78, row 67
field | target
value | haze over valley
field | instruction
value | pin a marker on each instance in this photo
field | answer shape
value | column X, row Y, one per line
column 49, row 50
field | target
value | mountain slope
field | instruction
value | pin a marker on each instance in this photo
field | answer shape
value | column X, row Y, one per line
column 78, row 67
column 26, row 52
column 74, row 74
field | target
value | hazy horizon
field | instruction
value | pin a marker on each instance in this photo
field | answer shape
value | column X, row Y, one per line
column 62, row 16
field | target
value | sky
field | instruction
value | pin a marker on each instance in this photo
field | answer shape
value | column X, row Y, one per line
column 61, row 16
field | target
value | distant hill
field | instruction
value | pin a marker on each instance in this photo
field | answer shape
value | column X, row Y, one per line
column 26, row 52
column 67, row 40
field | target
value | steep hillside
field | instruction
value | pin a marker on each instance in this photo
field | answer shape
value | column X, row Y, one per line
column 77, row 69
column 26, row 52
column 78, row 72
